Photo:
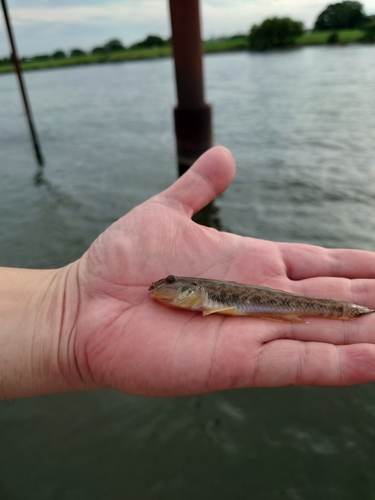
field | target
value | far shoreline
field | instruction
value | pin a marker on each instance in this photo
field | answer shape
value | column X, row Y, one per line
column 231, row 44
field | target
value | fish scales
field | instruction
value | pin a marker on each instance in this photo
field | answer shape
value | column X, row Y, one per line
column 232, row 298
column 253, row 298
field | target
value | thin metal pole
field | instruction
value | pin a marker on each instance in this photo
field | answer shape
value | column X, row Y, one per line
column 192, row 115
column 17, row 66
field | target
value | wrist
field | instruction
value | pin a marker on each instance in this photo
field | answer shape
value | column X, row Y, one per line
column 38, row 310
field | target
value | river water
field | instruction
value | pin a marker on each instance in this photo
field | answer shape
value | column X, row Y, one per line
column 301, row 125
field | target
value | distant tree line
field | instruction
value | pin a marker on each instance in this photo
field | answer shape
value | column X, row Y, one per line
column 271, row 33
column 114, row 45
column 282, row 32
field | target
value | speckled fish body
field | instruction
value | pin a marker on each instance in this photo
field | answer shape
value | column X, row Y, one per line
column 236, row 299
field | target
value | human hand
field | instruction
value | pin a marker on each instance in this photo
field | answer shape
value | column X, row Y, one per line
column 124, row 339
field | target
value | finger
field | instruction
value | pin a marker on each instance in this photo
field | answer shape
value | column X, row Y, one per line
column 288, row 362
column 210, row 175
column 305, row 261
column 336, row 332
column 355, row 291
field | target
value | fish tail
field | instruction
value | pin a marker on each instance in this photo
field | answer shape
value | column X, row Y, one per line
column 352, row 311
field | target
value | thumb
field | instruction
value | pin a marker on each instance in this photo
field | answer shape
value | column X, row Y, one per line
column 208, row 177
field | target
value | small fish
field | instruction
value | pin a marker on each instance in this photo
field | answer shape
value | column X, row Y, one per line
column 236, row 299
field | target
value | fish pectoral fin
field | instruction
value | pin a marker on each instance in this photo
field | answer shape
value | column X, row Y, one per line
column 287, row 318
column 231, row 311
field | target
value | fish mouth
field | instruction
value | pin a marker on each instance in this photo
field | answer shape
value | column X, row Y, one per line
column 156, row 285
column 162, row 293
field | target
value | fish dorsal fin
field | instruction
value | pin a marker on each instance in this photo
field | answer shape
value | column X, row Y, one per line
column 230, row 310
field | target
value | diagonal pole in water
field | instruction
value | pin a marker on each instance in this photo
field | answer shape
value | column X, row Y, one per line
column 17, row 66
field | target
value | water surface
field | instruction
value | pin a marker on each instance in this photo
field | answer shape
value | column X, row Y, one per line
column 301, row 125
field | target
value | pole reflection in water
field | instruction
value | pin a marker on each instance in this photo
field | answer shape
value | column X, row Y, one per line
column 209, row 216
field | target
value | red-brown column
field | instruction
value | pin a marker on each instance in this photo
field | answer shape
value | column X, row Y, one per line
column 192, row 116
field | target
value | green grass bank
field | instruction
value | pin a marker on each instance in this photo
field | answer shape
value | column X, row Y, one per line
column 234, row 43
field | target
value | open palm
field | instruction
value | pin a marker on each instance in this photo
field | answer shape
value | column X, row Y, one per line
column 124, row 339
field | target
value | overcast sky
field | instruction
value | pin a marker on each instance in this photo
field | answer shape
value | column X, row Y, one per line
column 43, row 26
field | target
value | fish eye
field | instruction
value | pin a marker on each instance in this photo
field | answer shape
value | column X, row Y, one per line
column 170, row 279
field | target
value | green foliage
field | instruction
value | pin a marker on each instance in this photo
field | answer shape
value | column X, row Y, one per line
column 5, row 61
column 333, row 38
column 150, row 41
column 321, row 37
column 59, row 54
column 232, row 43
column 274, row 33
column 41, row 57
column 77, row 53
column 114, row 45
column 236, row 42
column 98, row 51
column 343, row 15
column 369, row 30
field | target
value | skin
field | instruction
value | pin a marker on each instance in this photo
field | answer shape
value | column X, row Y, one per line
column 93, row 324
